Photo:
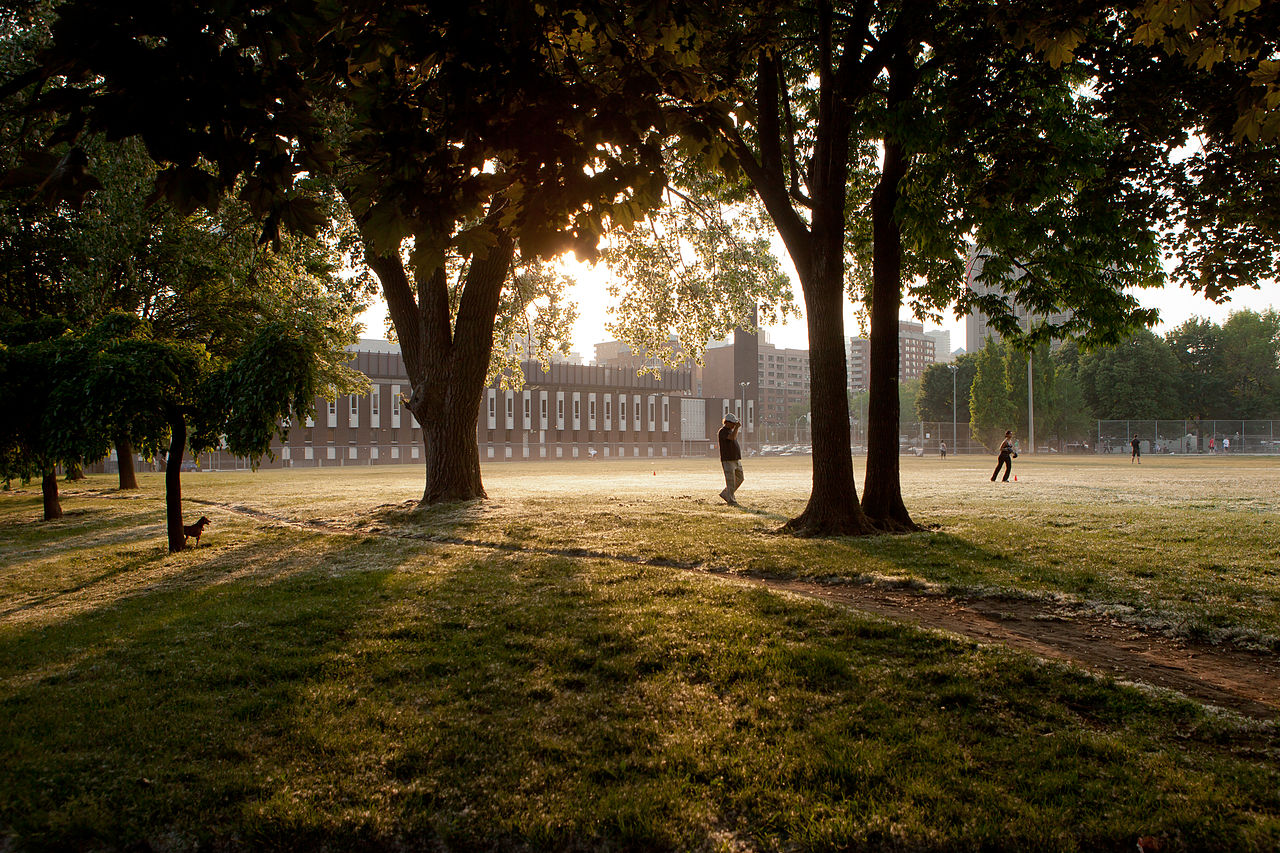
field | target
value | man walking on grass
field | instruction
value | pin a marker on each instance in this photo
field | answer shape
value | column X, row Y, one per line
column 730, row 457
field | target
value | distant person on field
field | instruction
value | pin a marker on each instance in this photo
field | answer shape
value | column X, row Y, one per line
column 1213, row 445
column 943, row 446
column 1137, row 451
column 1006, row 457
column 1226, row 445
column 730, row 457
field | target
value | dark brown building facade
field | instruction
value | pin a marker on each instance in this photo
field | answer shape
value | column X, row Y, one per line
column 569, row 412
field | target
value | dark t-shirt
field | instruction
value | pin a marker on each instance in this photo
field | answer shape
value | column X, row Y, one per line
column 729, row 450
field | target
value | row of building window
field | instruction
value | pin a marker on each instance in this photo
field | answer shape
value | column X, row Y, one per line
column 398, row 410
column 634, row 409
column 331, row 453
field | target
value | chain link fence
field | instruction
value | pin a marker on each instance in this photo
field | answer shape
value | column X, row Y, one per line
column 1189, row 436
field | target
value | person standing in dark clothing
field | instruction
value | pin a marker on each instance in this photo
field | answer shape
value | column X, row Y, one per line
column 1006, row 457
column 1137, row 451
column 730, row 457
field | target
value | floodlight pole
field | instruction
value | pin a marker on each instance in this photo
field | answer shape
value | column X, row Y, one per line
column 1031, row 410
column 954, row 369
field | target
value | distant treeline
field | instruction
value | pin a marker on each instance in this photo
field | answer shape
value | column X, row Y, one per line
column 1198, row 370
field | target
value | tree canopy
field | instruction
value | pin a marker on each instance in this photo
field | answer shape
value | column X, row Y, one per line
column 880, row 137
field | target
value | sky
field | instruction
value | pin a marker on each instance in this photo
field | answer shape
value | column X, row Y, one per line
column 590, row 294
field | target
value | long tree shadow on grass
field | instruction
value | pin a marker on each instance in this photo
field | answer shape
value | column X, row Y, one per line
column 146, row 714
column 347, row 693
column 1019, row 566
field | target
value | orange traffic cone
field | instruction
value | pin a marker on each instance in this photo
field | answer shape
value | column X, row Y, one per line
column 1015, row 478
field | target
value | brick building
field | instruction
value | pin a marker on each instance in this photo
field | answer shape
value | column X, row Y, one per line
column 566, row 413
column 916, row 351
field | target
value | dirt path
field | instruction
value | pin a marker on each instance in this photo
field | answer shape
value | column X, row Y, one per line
column 1236, row 679
column 1240, row 680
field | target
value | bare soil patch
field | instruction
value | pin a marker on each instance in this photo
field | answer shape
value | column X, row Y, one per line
column 1240, row 680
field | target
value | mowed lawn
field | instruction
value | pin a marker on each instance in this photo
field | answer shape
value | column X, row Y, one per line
column 539, row 671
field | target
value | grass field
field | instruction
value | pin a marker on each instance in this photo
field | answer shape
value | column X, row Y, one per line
column 381, row 683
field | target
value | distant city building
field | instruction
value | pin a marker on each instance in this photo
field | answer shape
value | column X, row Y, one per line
column 525, row 348
column 732, row 374
column 621, row 355
column 941, row 345
column 916, row 351
column 978, row 324
column 784, row 383
column 857, row 356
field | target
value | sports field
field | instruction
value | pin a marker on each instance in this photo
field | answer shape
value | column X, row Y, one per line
column 604, row 655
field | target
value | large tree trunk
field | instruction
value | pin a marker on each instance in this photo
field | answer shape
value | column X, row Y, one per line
column 75, row 471
column 447, row 365
column 833, row 508
column 173, row 483
column 453, row 456
column 882, row 491
column 49, row 489
column 124, row 456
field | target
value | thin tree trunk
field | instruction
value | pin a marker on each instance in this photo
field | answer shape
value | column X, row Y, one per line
column 833, row 508
column 173, row 483
column 124, row 456
column 49, row 489
column 817, row 249
column 882, row 491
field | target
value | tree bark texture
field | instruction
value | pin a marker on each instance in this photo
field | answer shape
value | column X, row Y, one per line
column 49, row 490
column 124, row 457
column 882, row 491
column 447, row 362
column 75, row 471
column 173, row 482
column 816, row 248
column 833, row 508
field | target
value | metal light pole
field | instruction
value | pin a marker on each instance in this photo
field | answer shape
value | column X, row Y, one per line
column 744, row 386
column 1031, row 410
column 954, row 370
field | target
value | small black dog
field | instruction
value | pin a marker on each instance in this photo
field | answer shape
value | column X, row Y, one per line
column 189, row 530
